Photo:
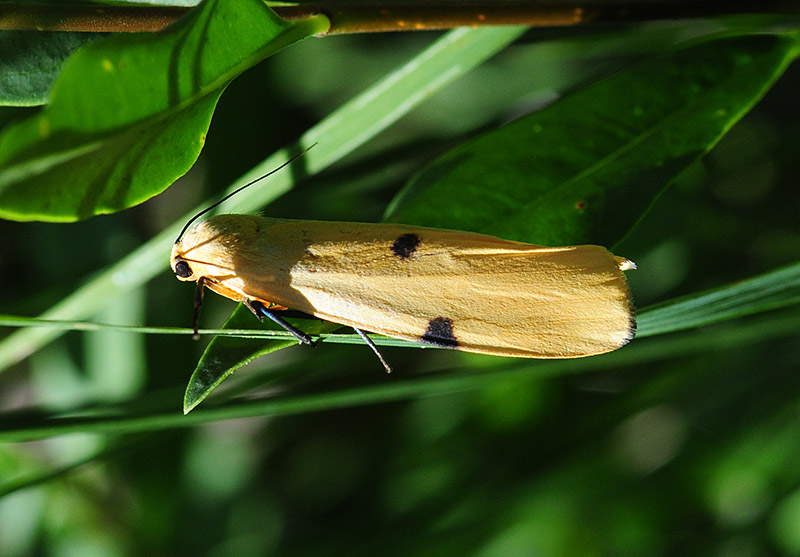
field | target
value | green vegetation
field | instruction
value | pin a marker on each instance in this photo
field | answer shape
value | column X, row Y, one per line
column 671, row 143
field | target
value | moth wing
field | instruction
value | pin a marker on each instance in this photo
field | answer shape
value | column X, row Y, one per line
column 463, row 290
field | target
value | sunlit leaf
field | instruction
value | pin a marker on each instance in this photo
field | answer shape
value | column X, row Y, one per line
column 129, row 115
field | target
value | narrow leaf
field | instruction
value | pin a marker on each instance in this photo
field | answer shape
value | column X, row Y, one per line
column 771, row 290
column 225, row 354
column 150, row 417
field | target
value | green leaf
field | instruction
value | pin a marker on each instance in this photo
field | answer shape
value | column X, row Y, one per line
column 587, row 168
column 129, row 115
column 145, row 415
column 224, row 354
column 31, row 61
column 772, row 290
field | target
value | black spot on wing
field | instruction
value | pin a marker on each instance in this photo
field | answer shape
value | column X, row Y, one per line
column 440, row 333
column 405, row 245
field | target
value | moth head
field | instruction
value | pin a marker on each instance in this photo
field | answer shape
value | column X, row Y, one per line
column 180, row 260
column 192, row 254
column 211, row 248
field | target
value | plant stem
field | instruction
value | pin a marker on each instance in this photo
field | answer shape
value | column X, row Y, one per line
column 361, row 17
column 397, row 15
column 25, row 16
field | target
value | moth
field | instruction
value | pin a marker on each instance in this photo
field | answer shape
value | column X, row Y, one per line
column 452, row 289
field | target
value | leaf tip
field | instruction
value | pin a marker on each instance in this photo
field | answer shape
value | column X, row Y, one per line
column 190, row 401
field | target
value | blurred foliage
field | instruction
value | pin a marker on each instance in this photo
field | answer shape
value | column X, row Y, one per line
column 678, row 444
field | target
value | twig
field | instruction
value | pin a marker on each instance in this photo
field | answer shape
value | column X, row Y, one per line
column 396, row 15
column 24, row 16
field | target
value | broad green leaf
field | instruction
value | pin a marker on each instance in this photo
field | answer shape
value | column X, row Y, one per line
column 30, row 62
column 129, row 115
column 587, row 168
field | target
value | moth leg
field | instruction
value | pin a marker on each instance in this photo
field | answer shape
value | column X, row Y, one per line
column 371, row 344
column 198, row 301
column 261, row 312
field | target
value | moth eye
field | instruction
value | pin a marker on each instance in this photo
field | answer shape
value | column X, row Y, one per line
column 182, row 269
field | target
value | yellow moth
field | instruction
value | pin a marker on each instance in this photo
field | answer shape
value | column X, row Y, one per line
column 447, row 288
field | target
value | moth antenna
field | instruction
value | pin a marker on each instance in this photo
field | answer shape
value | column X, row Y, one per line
column 237, row 190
